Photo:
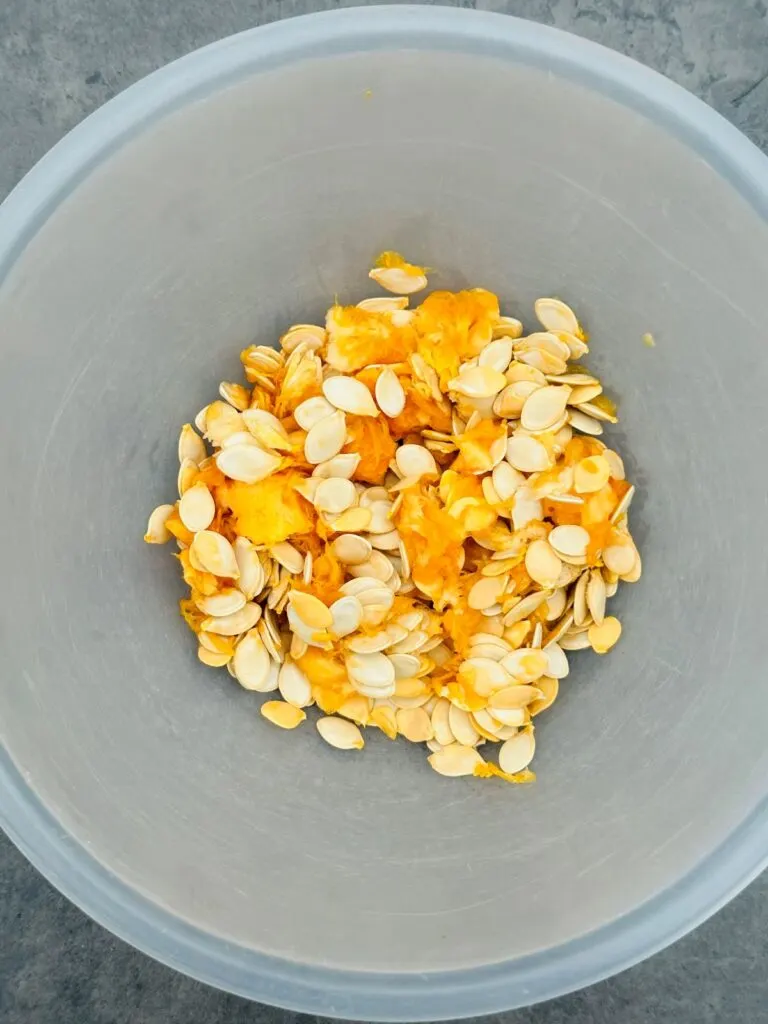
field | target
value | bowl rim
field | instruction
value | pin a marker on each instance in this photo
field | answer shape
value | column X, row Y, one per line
column 73, row 869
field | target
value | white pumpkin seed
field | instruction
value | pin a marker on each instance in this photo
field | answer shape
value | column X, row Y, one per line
column 572, row 541
column 335, row 495
column 414, row 724
column 214, row 554
column 596, row 595
column 310, row 610
column 506, row 480
column 311, row 411
column 478, row 382
column 346, row 615
column 586, row 424
column 497, row 355
column 351, row 549
column 542, row 563
column 414, row 461
column 252, row 578
column 247, row 463
column 197, row 508
column 267, row 429
column 517, row 753
column 342, row 466
column 286, row 554
column 455, row 760
column 575, row 642
column 187, row 475
column 486, row 592
column 372, row 670
column 557, row 663
column 326, row 438
column 389, row 393
column 398, row 280
column 619, row 557
column 191, row 445
column 461, row 726
column 213, row 659
column 340, row 733
column 225, row 602
column 554, row 315
column 544, row 408
column 525, row 607
column 507, row 327
column 349, row 395
column 580, row 606
column 387, row 304
column 527, row 455
column 236, row 623
column 294, row 686
column 157, row 532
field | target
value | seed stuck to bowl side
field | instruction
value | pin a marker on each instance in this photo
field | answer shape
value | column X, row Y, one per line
column 407, row 519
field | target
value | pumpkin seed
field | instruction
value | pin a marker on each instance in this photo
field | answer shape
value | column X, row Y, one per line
column 225, row 602
column 579, row 420
column 325, row 438
column 157, row 532
column 455, row 760
column 544, row 408
column 596, row 596
column 285, row 554
column 388, row 304
column 527, row 455
column 191, row 445
column 251, row 663
column 214, row 554
column 398, row 280
column 554, row 315
column 478, row 382
column 212, row 658
column 507, row 327
column 285, row 716
column 335, row 495
column 310, row 610
column 604, row 636
column 350, row 395
column 517, row 753
column 486, row 592
column 389, row 393
column 294, row 686
column 247, row 463
column 571, row 541
column 542, row 564
column 311, row 411
column 619, row 556
column 251, row 577
column 414, row 724
column 591, row 474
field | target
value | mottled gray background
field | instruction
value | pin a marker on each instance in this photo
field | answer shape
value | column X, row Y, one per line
column 59, row 60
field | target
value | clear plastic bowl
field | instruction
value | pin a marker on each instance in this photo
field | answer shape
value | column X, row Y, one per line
column 219, row 200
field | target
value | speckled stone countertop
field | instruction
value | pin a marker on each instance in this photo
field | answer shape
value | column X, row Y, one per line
column 59, row 60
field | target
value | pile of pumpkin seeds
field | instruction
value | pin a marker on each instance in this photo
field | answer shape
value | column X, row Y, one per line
column 407, row 518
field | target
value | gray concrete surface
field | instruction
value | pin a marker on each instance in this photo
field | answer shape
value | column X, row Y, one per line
column 59, row 60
